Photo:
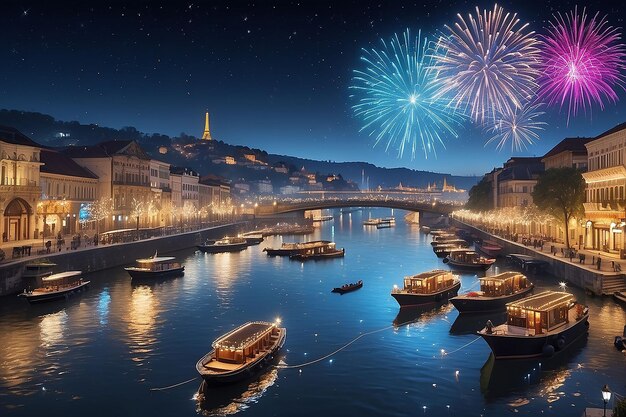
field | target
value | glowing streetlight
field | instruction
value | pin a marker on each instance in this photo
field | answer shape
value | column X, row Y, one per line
column 606, row 396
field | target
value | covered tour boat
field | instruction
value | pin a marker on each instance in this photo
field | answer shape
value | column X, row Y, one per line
column 34, row 271
column 539, row 325
column 489, row 248
column 427, row 287
column 326, row 251
column 443, row 249
column 292, row 248
column 242, row 351
column 495, row 292
column 348, row 287
column 527, row 263
column 468, row 259
column 155, row 267
column 56, row 286
column 227, row 244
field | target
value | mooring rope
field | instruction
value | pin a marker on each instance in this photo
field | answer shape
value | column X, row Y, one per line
column 462, row 347
column 175, row 385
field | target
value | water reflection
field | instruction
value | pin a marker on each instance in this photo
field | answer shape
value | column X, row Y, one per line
column 141, row 321
column 51, row 330
column 421, row 315
column 231, row 399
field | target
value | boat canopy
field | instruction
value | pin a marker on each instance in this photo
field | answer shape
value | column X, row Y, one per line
column 243, row 336
column 545, row 301
column 503, row 277
column 36, row 265
column 156, row 260
column 61, row 275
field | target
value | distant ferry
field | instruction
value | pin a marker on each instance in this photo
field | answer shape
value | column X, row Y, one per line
column 380, row 222
column 227, row 244
column 325, row 251
column 293, row 248
column 495, row 292
column 317, row 219
column 427, row 287
column 242, row 351
column 536, row 326
column 155, row 267
column 56, row 286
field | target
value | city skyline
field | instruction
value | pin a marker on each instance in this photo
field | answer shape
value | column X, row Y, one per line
column 160, row 67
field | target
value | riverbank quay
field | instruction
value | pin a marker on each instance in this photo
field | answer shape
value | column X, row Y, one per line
column 91, row 258
column 599, row 278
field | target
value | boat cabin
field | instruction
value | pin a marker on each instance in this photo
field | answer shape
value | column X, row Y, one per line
column 466, row 256
column 541, row 313
column 505, row 283
column 158, row 263
column 429, row 282
column 59, row 281
column 319, row 248
column 245, row 342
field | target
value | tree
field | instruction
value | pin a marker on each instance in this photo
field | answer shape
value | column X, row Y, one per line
column 100, row 210
column 480, row 198
column 560, row 192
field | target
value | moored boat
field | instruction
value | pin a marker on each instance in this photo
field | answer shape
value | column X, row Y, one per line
column 348, row 287
column 384, row 225
column 442, row 239
column 253, row 238
column 56, row 286
column 527, row 263
column 227, row 244
column 371, row 222
column 468, row 259
column 155, row 267
column 242, row 351
column 292, row 248
column 495, row 292
column 489, row 248
column 325, row 218
column 34, row 271
column 325, row 251
column 539, row 325
column 427, row 287
column 443, row 249
column 425, row 229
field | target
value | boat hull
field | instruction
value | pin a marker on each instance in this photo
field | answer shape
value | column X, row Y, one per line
column 223, row 248
column 409, row 300
column 328, row 255
column 520, row 346
column 462, row 265
column 490, row 250
column 280, row 252
column 138, row 274
column 245, row 372
column 480, row 304
column 343, row 290
column 56, row 295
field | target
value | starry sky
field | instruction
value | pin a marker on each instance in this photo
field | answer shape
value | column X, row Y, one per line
column 273, row 74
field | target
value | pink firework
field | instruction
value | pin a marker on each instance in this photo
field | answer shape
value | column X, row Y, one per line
column 582, row 62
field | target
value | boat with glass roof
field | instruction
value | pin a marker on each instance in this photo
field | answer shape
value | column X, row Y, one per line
column 56, row 286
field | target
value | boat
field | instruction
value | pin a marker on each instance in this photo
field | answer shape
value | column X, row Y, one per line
column 227, row 244
column 620, row 297
column 437, row 232
column 318, row 219
column 489, row 248
column 428, row 287
column 241, row 352
column 348, row 287
column 253, row 238
column 292, row 248
column 468, row 259
column 495, row 292
column 56, row 286
column 155, row 267
column 325, row 251
column 444, row 249
column 527, row 263
column 371, row 222
column 536, row 326
column 34, row 271
column 441, row 239
column 425, row 229
column 385, row 225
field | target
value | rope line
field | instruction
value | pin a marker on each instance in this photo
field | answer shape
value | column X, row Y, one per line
column 175, row 385
column 463, row 347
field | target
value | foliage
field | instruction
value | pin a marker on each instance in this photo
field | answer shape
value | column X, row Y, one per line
column 480, row 198
column 560, row 192
column 620, row 408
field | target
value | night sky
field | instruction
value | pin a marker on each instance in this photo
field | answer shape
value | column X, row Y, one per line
column 273, row 75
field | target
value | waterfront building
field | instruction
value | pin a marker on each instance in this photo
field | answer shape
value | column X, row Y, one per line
column 160, row 215
column 517, row 180
column 19, row 184
column 66, row 190
column 185, row 193
column 605, row 206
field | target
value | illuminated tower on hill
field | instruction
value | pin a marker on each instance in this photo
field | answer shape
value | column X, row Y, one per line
column 207, row 132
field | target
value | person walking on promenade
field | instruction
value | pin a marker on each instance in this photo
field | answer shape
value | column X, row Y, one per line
column 599, row 262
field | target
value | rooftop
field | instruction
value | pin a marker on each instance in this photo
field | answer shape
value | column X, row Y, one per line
column 12, row 135
column 544, row 301
column 55, row 162
column 575, row 145
column 243, row 335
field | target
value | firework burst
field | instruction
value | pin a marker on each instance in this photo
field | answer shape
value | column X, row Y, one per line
column 489, row 63
column 582, row 62
column 395, row 95
column 519, row 127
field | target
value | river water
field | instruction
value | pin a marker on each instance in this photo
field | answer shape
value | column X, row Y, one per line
column 100, row 352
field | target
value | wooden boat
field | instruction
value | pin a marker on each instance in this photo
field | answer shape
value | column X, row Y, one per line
column 495, row 292
column 253, row 238
column 155, row 267
column 427, row 287
column 318, row 219
column 56, row 286
column 34, row 271
column 468, row 259
column 242, row 351
column 444, row 249
column 227, row 244
column 620, row 297
column 489, row 248
column 539, row 325
column 385, row 225
column 437, row 232
column 425, row 229
column 325, row 251
column 348, row 287
column 288, row 249
column 441, row 239
column 527, row 263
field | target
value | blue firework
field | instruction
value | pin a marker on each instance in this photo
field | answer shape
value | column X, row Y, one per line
column 397, row 98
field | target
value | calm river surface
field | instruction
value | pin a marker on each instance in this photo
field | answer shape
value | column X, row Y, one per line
column 99, row 353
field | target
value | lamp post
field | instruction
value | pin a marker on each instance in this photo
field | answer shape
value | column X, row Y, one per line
column 606, row 396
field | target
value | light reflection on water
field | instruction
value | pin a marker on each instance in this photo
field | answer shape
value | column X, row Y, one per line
column 99, row 352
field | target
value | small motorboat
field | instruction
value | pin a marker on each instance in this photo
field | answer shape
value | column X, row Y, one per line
column 348, row 287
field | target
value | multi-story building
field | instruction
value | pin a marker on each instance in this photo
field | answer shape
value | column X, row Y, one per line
column 185, row 193
column 570, row 152
column 161, row 203
column 605, row 206
column 517, row 180
column 19, row 184
column 66, row 189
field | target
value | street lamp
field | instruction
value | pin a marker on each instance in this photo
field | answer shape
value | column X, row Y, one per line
column 606, row 396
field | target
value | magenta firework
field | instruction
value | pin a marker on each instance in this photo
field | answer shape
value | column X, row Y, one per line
column 489, row 64
column 582, row 60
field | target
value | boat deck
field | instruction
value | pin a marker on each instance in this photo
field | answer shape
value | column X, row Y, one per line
column 245, row 333
column 217, row 366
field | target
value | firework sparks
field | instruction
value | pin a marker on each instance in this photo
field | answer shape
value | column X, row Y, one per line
column 582, row 62
column 519, row 127
column 396, row 97
column 489, row 63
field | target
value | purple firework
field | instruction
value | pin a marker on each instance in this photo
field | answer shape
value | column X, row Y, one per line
column 582, row 60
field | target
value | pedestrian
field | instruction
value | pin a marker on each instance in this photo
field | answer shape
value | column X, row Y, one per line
column 599, row 262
